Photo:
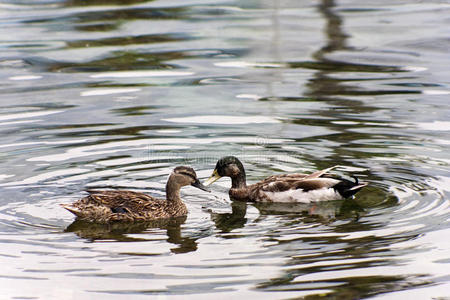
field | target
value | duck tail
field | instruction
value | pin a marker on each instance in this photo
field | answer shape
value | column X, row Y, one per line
column 358, row 185
column 77, row 212
column 347, row 188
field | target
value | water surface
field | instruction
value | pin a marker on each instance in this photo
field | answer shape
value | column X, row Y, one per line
column 115, row 94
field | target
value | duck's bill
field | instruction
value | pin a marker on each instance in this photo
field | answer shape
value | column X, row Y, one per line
column 214, row 177
column 199, row 185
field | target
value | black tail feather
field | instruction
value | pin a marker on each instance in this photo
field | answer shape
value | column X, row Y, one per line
column 348, row 188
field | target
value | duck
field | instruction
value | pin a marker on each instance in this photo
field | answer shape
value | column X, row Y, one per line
column 106, row 206
column 287, row 188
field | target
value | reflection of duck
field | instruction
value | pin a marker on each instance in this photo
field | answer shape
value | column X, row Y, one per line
column 326, row 209
column 227, row 222
column 284, row 188
column 120, row 231
column 110, row 206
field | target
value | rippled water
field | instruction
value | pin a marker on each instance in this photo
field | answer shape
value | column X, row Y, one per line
column 115, row 94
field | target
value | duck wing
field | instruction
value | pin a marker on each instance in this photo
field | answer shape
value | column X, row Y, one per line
column 295, row 177
column 283, row 178
column 274, row 182
column 123, row 201
column 318, row 174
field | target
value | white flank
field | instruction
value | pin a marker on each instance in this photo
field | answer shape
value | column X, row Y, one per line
column 299, row 196
column 326, row 182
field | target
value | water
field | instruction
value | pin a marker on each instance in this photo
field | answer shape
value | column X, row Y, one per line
column 115, row 94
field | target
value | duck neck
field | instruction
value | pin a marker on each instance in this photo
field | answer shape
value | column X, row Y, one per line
column 239, row 181
column 172, row 191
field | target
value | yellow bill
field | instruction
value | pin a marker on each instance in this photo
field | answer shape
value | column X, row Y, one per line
column 213, row 178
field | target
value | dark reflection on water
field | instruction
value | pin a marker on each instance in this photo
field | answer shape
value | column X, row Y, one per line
column 119, row 62
column 115, row 94
column 227, row 222
column 116, row 15
column 323, row 212
column 120, row 232
column 364, row 253
column 128, row 40
column 102, row 2
column 124, row 61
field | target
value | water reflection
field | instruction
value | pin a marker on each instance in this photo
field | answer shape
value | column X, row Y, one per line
column 227, row 222
column 133, row 232
column 323, row 212
column 126, row 61
column 102, row 2
column 116, row 15
column 128, row 40
column 120, row 61
column 313, row 212
column 112, row 93
column 328, row 259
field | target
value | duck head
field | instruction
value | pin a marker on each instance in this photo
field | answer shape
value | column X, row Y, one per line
column 228, row 166
column 183, row 176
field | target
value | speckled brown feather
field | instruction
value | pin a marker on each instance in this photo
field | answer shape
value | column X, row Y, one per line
column 109, row 206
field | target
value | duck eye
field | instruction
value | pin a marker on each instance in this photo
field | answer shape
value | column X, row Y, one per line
column 188, row 175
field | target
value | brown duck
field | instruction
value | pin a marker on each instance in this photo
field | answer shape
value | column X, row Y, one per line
column 128, row 206
column 288, row 188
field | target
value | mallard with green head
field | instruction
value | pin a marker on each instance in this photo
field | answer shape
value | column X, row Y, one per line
column 302, row 188
column 128, row 206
